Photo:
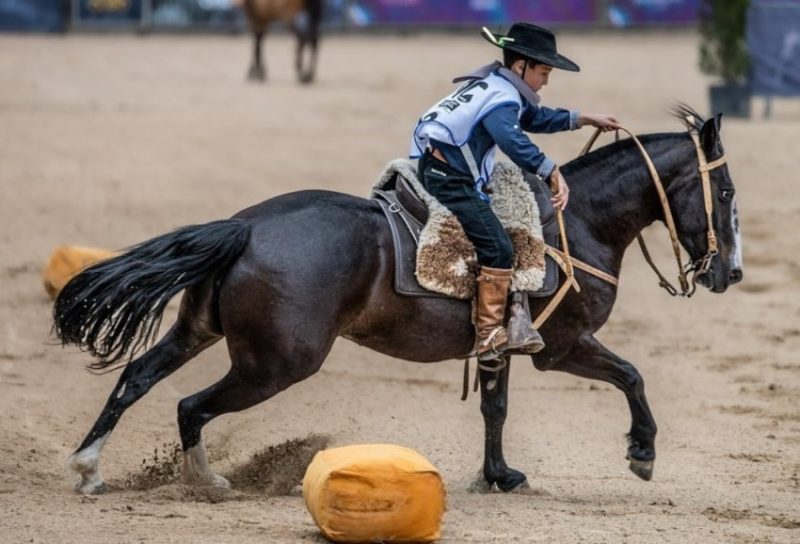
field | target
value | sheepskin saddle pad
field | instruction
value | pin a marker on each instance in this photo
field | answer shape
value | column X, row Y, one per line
column 445, row 260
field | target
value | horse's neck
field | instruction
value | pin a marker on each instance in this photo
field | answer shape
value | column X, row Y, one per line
column 614, row 198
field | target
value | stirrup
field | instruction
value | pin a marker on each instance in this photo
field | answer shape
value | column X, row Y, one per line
column 493, row 352
column 491, row 355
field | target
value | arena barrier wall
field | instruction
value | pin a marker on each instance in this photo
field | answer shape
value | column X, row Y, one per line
column 32, row 16
column 773, row 40
column 359, row 14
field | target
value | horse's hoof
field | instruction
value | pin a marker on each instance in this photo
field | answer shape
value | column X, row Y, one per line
column 90, row 488
column 90, row 483
column 257, row 75
column 210, row 480
column 643, row 469
column 84, row 465
column 515, row 481
column 220, row 482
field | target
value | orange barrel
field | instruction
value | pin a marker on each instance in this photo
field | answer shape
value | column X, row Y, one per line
column 374, row 493
column 67, row 261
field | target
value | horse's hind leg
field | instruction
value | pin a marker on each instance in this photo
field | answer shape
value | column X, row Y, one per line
column 590, row 359
column 257, row 71
column 235, row 392
column 179, row 345
column 260, row 369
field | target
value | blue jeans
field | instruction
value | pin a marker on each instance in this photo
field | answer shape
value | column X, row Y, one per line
column 456, row 191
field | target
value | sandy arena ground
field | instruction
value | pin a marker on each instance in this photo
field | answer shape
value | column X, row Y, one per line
column 109, row 140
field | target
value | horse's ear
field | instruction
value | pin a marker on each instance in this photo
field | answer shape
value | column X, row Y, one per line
column 709, row 134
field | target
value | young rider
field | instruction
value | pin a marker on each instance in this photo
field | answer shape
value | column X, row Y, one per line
column 456, row 141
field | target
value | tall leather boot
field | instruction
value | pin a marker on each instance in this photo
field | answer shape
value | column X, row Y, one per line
column 493, row 284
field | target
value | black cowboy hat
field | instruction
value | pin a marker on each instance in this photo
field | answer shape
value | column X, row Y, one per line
column 533, row 42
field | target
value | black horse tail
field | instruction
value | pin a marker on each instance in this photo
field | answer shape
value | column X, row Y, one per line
column 114, row 308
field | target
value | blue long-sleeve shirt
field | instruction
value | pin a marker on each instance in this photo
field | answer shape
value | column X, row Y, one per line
column 501, row 127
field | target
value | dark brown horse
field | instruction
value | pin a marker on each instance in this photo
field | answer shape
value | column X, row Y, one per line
column 302, row 16
column 282, row 279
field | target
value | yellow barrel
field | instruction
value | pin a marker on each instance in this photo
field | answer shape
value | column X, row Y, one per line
column 374, row 492
column 67, row 261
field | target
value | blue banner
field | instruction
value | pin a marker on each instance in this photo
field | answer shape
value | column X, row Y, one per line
column 52, row 14
column 637, row 12
column 32, row 15
column 422, row 12
column 773, row 41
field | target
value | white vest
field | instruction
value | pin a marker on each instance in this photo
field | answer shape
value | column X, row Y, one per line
column 452, row 120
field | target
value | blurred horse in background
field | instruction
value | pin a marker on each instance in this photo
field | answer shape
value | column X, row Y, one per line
column 302, row 16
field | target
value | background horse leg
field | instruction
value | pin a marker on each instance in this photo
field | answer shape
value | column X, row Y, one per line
column 494, row 407
column 257, row 71
column 307, row 31
column 306, row 75
column 590, row 359
column 179, row 345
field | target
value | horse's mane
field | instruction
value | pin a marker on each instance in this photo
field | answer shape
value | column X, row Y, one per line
column 613, row 149
column 680, row 111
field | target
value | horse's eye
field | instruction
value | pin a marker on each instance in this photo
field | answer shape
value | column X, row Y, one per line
column 726, row 194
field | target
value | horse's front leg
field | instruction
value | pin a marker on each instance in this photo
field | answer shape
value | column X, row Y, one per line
column 590, row 359
column 494, row 407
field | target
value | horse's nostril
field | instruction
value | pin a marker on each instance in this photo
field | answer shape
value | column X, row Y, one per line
column 736, row 275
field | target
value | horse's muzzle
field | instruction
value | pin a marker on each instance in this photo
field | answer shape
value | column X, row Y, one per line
column 717, row 283
column 714, row 283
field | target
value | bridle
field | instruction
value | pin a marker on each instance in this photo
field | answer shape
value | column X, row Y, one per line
column 702, row 265
column 698, row 268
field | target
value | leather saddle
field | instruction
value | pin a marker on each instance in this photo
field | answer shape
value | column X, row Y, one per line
column 407, row 215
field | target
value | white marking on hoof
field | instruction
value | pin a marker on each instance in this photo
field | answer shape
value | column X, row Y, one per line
column 196, row 470
column 84, row 463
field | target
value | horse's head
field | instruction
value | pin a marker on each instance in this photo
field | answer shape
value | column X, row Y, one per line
column 692, row 203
